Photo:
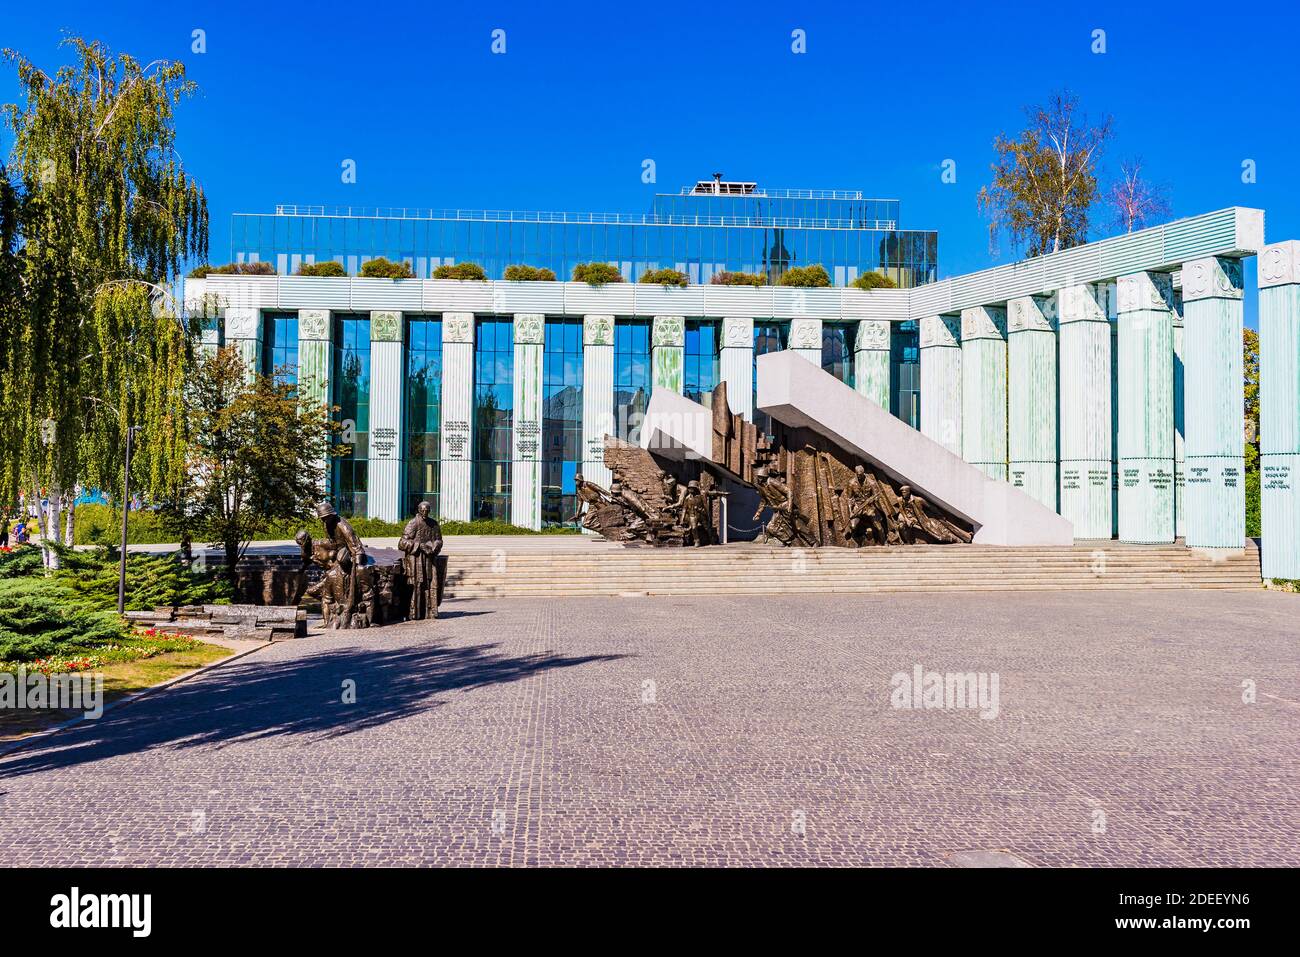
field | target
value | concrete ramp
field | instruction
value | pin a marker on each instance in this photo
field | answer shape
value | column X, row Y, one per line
column 677, row 428
column 799, row 394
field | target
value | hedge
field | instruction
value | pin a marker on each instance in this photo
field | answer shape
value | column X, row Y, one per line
column 382, row 268
column 808, row 277
column 470, row 271
column 527, row 274
column 326, row 268
column 873, row 280
column 738, row 279
column 596, row 274
column 665, row 277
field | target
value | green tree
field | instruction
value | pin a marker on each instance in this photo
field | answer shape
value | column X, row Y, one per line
column 255, row 457
column 99, row 217
column 1045, row 178
column 1250, row 396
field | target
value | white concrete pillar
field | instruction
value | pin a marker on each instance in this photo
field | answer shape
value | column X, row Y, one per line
column 1086, row 426
column 940, row 342
column 806, row 339
column 597, row 395
column 244, row 332
column 871, row 361
column 526, row 458
column 667, row 352
column 984, row 389
column 1031, row 396
column 1180, row 430
column 736, row 364
column 1215, row 494
column 316, row 366
column 1279, row 409
column 387, row 395
column 1146, row 408
column 457, row 415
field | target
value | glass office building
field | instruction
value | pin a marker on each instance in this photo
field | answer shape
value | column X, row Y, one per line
column 712, row 227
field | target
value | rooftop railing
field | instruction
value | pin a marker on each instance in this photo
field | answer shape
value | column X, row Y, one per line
column 614, row 219
column 786, row 193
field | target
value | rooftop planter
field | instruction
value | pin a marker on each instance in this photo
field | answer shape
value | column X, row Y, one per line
column 665, row 277
column 738, row 279
column 596, row 274
column 328, row 269
column 472, row 272
column 805, row 277
column 232, row 269
column 382, row 268
column 527, row 274
column 873, row 280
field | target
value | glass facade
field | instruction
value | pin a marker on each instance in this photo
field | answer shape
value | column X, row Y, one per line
column 837, row 350
column 768, row 337
column 423, row 411
column 561, row 418
column 701, row 234
column 632, row 376
column 494, row 368
column 905, row 372
column 280, row 346
column 700, row 360
column 352, row 396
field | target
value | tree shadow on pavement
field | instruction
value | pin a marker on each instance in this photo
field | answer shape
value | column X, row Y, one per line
column 304, row 696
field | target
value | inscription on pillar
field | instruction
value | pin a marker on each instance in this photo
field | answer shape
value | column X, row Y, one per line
column 527, row 434
column 455, row 441
column 1276, row 478
column 383, row 443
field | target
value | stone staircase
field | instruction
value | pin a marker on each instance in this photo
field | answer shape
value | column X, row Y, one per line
column 583, row 567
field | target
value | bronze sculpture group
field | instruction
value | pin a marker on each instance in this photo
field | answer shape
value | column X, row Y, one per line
column 355, row 591
column 811, row 493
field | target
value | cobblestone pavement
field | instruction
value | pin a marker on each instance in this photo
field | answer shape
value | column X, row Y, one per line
column 690, row 731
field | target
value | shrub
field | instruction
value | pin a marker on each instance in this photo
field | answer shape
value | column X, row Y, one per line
column 665, row 277
column 808, row 277
column 327, row 268
column 873, row 280
column 471, row 271
column 233, row 269
column 528, row 274
column 382, row 268
column 596, row 274
column 1252, row 491
column 738, row 279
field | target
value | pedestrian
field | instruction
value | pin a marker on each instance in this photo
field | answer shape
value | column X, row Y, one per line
column 4, row 531
column 20, row 533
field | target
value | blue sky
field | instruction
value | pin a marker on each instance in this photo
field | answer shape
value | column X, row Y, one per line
column 584, row 93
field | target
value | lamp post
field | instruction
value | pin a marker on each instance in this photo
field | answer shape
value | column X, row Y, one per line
column 126, row 509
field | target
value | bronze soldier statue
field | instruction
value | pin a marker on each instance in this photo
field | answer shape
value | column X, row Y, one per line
column 915, row 523
column 697, row 514
column 590, row 497
column 866, row 511
column 774, row 494
column 674, row 495
column 420, row 544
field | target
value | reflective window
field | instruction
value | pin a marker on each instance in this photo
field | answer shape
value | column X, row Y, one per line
column 494, row 366
column 837, row 350
column 632, row 377
column 905, row 372
column 423, row 411
column 280, row 346
column 352, row 396
column 700, row 360
column 768, row 337
column 561, row 418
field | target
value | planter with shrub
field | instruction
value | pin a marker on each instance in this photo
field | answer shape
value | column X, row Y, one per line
column 466, row 271
column 527, row 274
column 382, row 268
column 596, row 274
column 873, row 280
column 805, row 277
column 738, row 279
column 232, row 269
column 329, row 268
column 665, row 277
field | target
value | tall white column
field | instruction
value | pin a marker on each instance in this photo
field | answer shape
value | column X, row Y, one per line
column 1031, row 396
column 1180, row 428
column 736, row 364
column 1086, row 427
column 244, row 332
column 597, row 395
column 940, row 341
column 316, row 365
column 667, row 347
column 1146, row 408
column 871, row 361
column 1279, row 409
column 984, row 389
column 526, row 459
column 806, row 339
column 1215, row 493
column 387, row 392
column 457, row 415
